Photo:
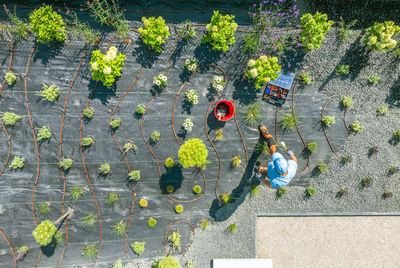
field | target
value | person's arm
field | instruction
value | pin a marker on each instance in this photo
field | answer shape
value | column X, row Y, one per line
column 291, row 155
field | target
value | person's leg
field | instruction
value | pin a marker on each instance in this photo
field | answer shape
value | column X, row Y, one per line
column 268, row 137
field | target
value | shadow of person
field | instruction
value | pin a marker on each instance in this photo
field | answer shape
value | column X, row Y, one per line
column 173, row 177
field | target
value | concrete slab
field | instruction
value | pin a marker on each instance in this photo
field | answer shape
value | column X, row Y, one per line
column 240, row 263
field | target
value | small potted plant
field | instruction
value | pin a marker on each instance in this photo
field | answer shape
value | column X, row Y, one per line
column 224, row 110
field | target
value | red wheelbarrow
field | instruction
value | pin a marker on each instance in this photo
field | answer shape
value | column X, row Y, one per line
column 224, row 110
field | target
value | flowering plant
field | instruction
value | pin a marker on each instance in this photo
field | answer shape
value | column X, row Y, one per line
column 187, row 31
column 220, row 32
column 379, row 36
column 263, row 70
column 191, row 96
column 188, row 124
column 106, row 68
column 313, row 29
column 191, row 64
column 154, row 32
column 160, row 80
column 218, row 83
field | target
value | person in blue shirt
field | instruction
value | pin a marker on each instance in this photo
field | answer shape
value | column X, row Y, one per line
column 279, row 171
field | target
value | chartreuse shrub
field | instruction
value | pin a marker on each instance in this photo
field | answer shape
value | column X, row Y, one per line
column 356, row 126
column 117, row 264
column 236, row 161
column 44, row 133
column 219, row 134
column 306, row 78
column 10, row 78
column 170, row 189
column 89, row 250
column 65, row 163
column 155, row 136
column 374, row 79
column 196, row 189
column 178, row 209
column 47, row 25
column 328, row 120
column 138, row 247
column 169, row 162
column 205, row 224
column 49, row 93
column 193, row 153
column 175, row 240
column 114, row 124
column 379, row 36
column 143, row 203
column 342, row 70
column 87, row 141
column 154, row 32
column 10, row 118
column 347, row 101
column 140, row 109
column 44, row 232
column 310, row 191
column 88, row 113
column 220, row 32
column 255, row 191
column 17, row 162
column 313, row 29
column 322, row 167
column 44, row 209
column 134, row 175
column 232, row 228
column 119, row 228
column 166, row 262
column 89, row 220
column 152, row 222
column 252, row 114
column 76, row 192
column 396, row 136
column 263, row 70
column 105, row 169
column 129, row 146
column 106, row 67
column 382, row 110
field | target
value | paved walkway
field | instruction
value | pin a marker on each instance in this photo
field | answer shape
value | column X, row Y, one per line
column 359, row 241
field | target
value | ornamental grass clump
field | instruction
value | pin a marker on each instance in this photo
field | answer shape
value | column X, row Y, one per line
column 152, row 222
column 262, row 148
column 49, row 93
column 89, row 221
column 44, row 133
column 88, row 113
column 289, row 122
column 112, row 199
column 191, row 96
column 220, row 32
column 65, row 163
column 356, row 126
column 138, row 247
column 10, row 78
column 366, row 182
column 187, row 31
column 178, row 209
column 44, row 232
column 314, row 29
column 105, row 169
column 382, row 110
column 155, row 136
column 231, row 228
column 114, row 124
column 140, row 109
column 10, row 119
column 236, row 161
column 175, row 240
column 205, row 224
column 89, row 251
column 306, row 78
column 328, row 120
column 154, row 32
column 76, row 193
column 87, row 141
column 226, row 198
column 252, row 114
column 380, row 36
column 342, row 70
column 263, row 70
column 218, row 83
column 347, row 101
column 134, row 175
column 160, row 80
column 219, row 134
column 119, row 228
column 18, row 26
column 44, row 209
column 47, row 25
column 193, row 153
column 374, row 79
column 188, row 124
column 107, row 67
column 169, row 162
column 196, row 189
column 255, row 191
column 191, row 64
column 17, row 162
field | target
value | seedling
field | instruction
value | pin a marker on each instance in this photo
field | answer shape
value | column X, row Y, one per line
column 374, row 79
column 219, row 134
column 76, row 193
column 310, row 191
column 89, row 221
column 236, row 161
column 49, row 93
column 262, row 148
column 189, row 264
column 59, row 237
column 356, row 126
column 170, row 189
column 87, row 141
column 88, row 113
column 342, row 70
column 396, row 136
column 10, row 118
column 104, row 169
column 169, row 162
column 44, row 209
column 16, row 163
column 232, row 228
column 117, row 264
column 10, row 78
column 21, row 253
column 393, row 170
column 366, row 182
column 252, row 114
column 382, row 110
column 152, row 222
column 119, row 228
column 289, row 122
column 282, row 191
column 346, row 159
column 343, row 192
column 322, row 167
column 175, row 240
column 306, row 78
column 129, row 146
column 140, row 109
column 328, row 120
column 138, row 247
column 312, row 147
column 178, row 209
column 65, row 163
column 255, row 191
column 143, row 203
column 205, row 224
column 347, row 101
column 89, row 250
column 155, row 136
column 373, row 150
column 114, row 124
column 197, row 189
column 112, row 199
column 387, row 194
column 44, row 133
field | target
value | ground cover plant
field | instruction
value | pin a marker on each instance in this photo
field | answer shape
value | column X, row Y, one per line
column 347, row 101
column 87, row 141
column 89, row 250
column 155, row 136
column 129, row 146
column 312, row 147
column 138, row 247
column 197, row 189
column 47, row 25
column 187, row 30
column 282, row 191
column 104, row 169
column 382, row 110
column 178, row 209
column 175, row 240
column 140, row 109
column 342, row 70
column 154, row 32
column 191, row 96
column 356, row 126
column 143, row 203
column 152, row 222
column 232, row 228
column 374, row 79
column 311, row 191
column 44, row 133
column 76, row 192
column 328, row 120
column 134, row 175
column 114, row 124
column 218, row 83
column 322, row 167
column 88, row 112
column 188, row 125
column 160, row 81
column 169, row 162
column 89, row 220
column 205, row 224
column 306, row 78
column 166, row 262
column 17, row 162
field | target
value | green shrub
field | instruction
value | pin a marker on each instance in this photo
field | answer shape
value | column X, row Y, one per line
column 87, row 141
column 393, row 170
column 10, row 78
column 382, row 110
column 175, row 240
column 104, row 169
column 114, row 124
column 89, row 220
column 356, row 126
column 76, row 192
column 252, row 114
column 322, row 167
column 193, row 153
column 89, row 250
column 140, row 109
column 205, row 224
column 263, row 70
column 312, row 147
column 44, row 232
column 197, row 189
column 178, row 209
column 152, row 222
column 255, row 191
column 306, row 78
column 119, row 228
column 143, row 203
column 169, row 162
column 373, row 150
column 347, row 101
column 220, row 32
column 138, row 247
column 112, row 198
column 396, row 135
column 310, row 191
column 134, row 175
column 88, row 112
column 106, row 67
column 379, row 36
column 44, row 133
column 129, row 146
column 289, row 122
column 167, row 262
column 10, row 118
column 155, row 136
column 236, row 161
column 47, row 25
column 232, row 228
column 328, row 120
column 44, row 209
column 49, row 93
column 65, row 163
column 17, row 162
column 342, row 70
column 374, row 79
column 282, row 191
column 154, row 32
column 313, row 29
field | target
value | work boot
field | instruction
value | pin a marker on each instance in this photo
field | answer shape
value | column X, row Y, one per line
column 264, row 131
column 262, row 170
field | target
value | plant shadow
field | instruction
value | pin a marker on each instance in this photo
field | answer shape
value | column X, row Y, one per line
column 173, row 177
column 100, row 92
column 47, row 52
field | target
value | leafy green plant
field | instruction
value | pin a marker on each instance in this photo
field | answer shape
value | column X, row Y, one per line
column 47, row 25
column 10, row 118
column 236, row 161
column 59, row 237
column 49, row 93
column 143, row 203
column 129, row 146
column 342, row 70
column 191, row 64
column 152, row 222
column 10, row 78
column 393, row 170
column 255, row 191
column 44, row 133
column 119, row 228
column 289, row 122
column 356, row 126
column 220, row 32
column 189, row 264
column 44, row 232
column 322, row 167
column 175, row 240
column 387, row 194
column 191, row 96
column 65, row 163
column 188, row 124
column 328, row 120
column 170, row 189
column 196, row 189
column 117, row 264
column 262, row 148
column 154, row 32
column 21, row 253
column 226, row 198
column 89, row 250
column 140, row 109
column 374, row 79
column 382, row 110
column 178, row 209
column 345, row 33
column 89, row 220
column 112, row 199
column 87, row 141
column 312, row 147
column 76, row 192
column 44, row 209
column 306, row 78
column 263, row 70
column 252, row 114
column 218, row 83
column 88, row 113
column 347, row 101
column 193, row 153
column 282, row 191
column 346, row 159
column 187, row 31
column 169, row 162
column 366, row 181
column 313, row 29
column 219, row 134
column 380, row 36
column 104, row 169
column 343, row 191
column 166, row 262
column 107, row 67
column 114, row 124
column 19, row 26
column 205, row 224
column 232, row 228
column 310, row 191
column 138, row 247
column 396, row 136
column 396, row 53
column 373, row 150
column 155, row 136
column 17, row 162
column 160, row 80
column 82, row 28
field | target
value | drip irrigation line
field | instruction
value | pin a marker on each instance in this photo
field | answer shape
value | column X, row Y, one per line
column 323, row 126
column 60, row 152
column 11, row 247
column 344, row 121
column 166, row 234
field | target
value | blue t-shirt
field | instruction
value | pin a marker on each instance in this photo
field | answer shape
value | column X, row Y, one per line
column 273, row 175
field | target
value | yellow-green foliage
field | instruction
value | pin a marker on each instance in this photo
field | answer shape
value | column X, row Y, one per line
column 226, row 197
column 236, row 161
column 44, row 232
column 152, row 222
column 313, row 29
column 65, row 163
column 10, row 77
column 89, row 250
column 175, row 240
column 44, row 133
column 49, row 93
column 47, row 25
column 178, row 209
column 154, row 32
column 379, row 36
column 347, row 101
column 356, row 126
column 169, row 162
column 328, row 120
column 119, row 228
column 143, row 203
column 193, row 153
column 197, row 189
column 263, row 70
column 138, row 247
column 167, row 262
column 204, row 224
column 17, row 162
column 10, row 118
column 134, row 175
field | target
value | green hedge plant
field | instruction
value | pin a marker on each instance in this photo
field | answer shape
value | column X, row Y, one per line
column 193, row 153
column 47, row 25
column 380, row 36
column 154, row 32
column 263, row 70
column 313, row 29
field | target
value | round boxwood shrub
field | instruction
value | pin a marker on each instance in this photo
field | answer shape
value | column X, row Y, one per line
column 47, row 25
column 179, row 209
column 168, row 262
column 44, row 232
column 169, row 162
column 197, row 189
column 152, row 222
column 193, row 153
